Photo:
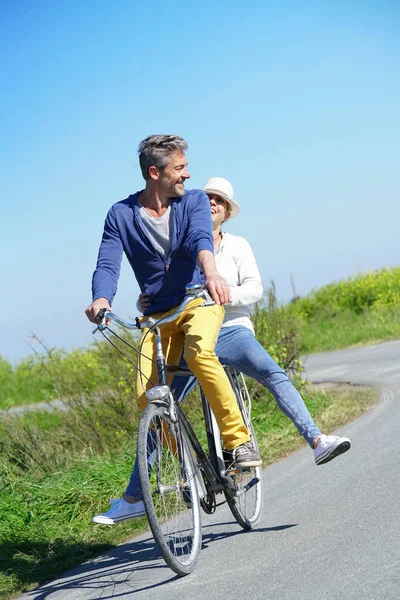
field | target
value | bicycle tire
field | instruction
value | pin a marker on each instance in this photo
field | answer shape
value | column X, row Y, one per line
column 246, row 508
column 169, row 489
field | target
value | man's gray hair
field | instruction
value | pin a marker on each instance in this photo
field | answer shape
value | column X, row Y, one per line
column 154, row 151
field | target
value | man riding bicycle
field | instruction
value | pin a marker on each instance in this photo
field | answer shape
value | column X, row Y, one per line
column 166, row 234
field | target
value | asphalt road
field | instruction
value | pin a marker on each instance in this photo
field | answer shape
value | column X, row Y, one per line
column 327, row 532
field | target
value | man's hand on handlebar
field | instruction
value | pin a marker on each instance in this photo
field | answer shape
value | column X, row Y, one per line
column 93, row 309
column 218, row 288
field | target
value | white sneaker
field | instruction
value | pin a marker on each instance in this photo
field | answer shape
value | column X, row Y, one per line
column 329, row 447
column 120, row 511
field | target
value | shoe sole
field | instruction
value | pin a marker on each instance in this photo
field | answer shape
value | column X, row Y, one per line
column 108, row 521
column 253, row 463
column 340, row 449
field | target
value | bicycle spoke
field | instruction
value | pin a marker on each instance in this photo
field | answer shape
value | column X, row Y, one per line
column 170, row 493
column 246, row 505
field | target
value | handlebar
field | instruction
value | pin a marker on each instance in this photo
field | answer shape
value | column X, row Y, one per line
column 193, row 291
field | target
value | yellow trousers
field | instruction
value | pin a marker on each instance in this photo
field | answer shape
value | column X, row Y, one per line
column 196, row 332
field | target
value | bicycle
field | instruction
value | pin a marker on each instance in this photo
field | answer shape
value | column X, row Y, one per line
column 177, row 476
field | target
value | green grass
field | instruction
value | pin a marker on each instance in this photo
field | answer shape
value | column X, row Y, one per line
column 349, row 329
column 45, row 524
column 278, row 437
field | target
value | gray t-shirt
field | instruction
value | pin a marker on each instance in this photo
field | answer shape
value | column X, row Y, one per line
column 160, row 230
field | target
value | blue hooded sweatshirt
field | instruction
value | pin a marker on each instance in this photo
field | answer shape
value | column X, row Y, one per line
column 163, row 280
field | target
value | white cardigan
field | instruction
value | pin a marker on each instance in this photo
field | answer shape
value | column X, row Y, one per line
column 236, row 264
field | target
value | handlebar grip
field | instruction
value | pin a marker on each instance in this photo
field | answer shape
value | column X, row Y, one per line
column 100, row 315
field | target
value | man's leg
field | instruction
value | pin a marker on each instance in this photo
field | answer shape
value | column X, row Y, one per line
column 201, row 326
column 172, row 339
column 131, row 505
column 183, row 385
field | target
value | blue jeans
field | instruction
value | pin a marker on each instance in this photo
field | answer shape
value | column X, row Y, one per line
column 238, row 348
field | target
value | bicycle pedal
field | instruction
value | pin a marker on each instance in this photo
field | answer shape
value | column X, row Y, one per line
column 247, row 487
column 237, row 471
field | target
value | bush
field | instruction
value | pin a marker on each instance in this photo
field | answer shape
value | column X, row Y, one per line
column 97, row 387
column 276, row 330
column 369, row 291
column 25, row 383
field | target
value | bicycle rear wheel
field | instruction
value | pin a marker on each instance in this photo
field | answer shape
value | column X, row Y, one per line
column 169, row 489
column 246, row 504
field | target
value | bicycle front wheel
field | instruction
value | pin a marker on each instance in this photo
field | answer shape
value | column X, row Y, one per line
column 246, row 503
column 169, row 489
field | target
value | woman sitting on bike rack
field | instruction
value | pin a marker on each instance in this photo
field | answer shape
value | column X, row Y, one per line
column 237, row 347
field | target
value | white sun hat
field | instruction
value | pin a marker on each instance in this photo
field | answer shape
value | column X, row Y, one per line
column 222, row 187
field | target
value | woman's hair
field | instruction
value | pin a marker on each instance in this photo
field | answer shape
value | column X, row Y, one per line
column 154, row 151
column 228, row 211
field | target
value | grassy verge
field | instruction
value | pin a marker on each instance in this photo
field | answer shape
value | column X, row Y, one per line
column 45, row 524
column 330, row 409
column 348, row 329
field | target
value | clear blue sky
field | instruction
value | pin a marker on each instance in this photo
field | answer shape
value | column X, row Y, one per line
column 297, row 103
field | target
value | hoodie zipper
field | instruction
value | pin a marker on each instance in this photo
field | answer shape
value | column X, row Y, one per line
column 174, row 239
column 166, row 262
